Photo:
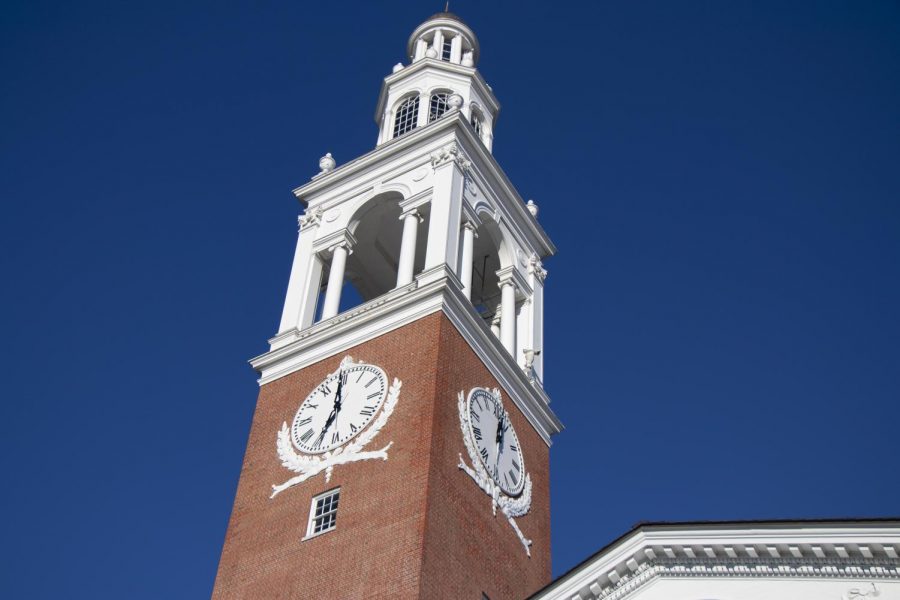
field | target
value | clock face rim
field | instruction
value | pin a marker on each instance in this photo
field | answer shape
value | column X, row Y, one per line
column 520, row 487
column 332, row 377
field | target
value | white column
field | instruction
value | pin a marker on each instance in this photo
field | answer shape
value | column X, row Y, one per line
column 411, row 222
column 465, row 269
column 335, row 281
column 421, row 46
column 508, row 316
column 306, row 276
column 495, row 322
column 446, row 212
column 456, row 50
column 439, row 43
column 424, row 107
column 536, row 276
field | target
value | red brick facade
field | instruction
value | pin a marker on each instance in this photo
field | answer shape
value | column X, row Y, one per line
column 414, row 526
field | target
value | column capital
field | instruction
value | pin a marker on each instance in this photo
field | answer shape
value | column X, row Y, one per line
column 339, row 239
column 470, row 226
column 511, row 276
column 412, row 212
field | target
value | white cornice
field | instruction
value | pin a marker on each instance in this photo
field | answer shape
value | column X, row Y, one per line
column 484, row 164
column 294, row 350
column 798, row 550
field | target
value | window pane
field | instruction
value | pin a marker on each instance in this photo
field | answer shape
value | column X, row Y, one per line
column 407, row 116
column 438, row 106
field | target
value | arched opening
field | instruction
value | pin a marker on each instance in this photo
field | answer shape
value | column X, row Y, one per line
column 477, row 120
column 371, row 268
column 489, row 255
column 437, row 106
column 406, row 116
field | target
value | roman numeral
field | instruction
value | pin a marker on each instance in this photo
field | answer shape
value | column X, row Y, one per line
column 484, row 453
column 477, row 432
column 516, row 465
column 512, row 475
column 474, row 416
column 313, row 406
column 374, row 395
column 513, row 447
column 367, row 411
column 335, row 438
column 305, row 437
column 478, row 403
column 371, row 381
column 506, row 478
column 305, row 421
column 361, row 373
column 326, row 390
column 352, row 428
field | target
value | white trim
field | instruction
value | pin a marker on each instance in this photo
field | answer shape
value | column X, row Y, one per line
column 310, row 523
column 435, row 290
column 485, row 170
column 800, row 550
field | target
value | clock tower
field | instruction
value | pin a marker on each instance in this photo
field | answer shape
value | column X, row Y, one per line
column 400, row 443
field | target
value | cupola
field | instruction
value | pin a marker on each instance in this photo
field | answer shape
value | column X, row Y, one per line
column 444, row 36
column 439, row 79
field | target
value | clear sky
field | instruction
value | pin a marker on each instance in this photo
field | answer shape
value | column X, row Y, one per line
column 722, row 180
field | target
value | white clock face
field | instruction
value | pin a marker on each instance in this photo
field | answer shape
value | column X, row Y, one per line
column 496, row 441
column 339, row 408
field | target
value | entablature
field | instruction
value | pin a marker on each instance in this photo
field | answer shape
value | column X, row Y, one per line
column 432, row 291
column 851, row 550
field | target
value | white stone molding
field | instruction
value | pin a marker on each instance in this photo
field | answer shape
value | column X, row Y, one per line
column 437, row 290
column 858, row 593
column 511, row 507
column 417, row 200
column 308, row 465
column 310, row 218
column 512, row 275
column 753, row 551
column 450, row 153
column 358, row 176
column 340, row 238
column 536, row 267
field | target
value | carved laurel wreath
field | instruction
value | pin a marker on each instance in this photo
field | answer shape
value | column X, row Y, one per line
column 509, row 506
column 309, row 466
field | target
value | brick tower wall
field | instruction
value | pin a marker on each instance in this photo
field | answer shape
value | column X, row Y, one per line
column 414, row 526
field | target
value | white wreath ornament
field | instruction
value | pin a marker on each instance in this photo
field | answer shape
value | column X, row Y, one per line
column 309, row 466
column 509, row 506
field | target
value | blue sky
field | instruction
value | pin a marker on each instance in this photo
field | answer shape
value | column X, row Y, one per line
column 721, row 179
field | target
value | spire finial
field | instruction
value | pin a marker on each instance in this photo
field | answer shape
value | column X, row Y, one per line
column 447, row 6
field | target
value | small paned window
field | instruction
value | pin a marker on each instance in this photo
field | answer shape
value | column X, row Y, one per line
column 407, row 116
column 446, row 49
column 438, row 106
column 323, row 513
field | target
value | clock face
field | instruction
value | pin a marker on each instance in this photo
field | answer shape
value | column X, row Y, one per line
column 339, row 408
column 496, row 441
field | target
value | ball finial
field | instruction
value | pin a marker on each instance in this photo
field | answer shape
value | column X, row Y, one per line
column 532, row 208
column 326, row 163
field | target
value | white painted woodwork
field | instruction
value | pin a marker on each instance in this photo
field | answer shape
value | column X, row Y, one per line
column 408, row 248
column 465, row 267
column 508, row 316
column 335, row 282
